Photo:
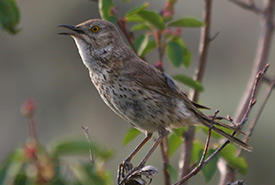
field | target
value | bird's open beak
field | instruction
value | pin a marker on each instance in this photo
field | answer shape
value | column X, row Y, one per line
column 71, row 27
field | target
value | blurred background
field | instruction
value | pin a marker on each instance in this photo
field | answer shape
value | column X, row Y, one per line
column 38, row 63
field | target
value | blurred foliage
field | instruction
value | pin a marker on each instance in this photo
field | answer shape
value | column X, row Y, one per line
column 194, row 84
column 172, row 172
column 34, row 163
column 9, row 16
column 105, row 10
column 209, row 170
column 174, row 142
column 131, row 134
column 229, row 153
column 187, row 22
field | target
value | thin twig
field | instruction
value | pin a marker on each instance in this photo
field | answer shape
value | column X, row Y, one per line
column 214, row 37
column 264, row 44
column 255, row 120
column 202, row 162
column 214, row 154
column 129, row 36
column 252, row 102
column 91, row 158
column 249, row 5
column 184, row 163
column 165, row 159
column 164, row 144
column 253, row 95
column 268, row 79
column 32, row 128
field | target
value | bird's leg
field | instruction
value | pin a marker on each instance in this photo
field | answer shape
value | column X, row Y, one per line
column 162, row 133
column 130, row 157
column 126, row 165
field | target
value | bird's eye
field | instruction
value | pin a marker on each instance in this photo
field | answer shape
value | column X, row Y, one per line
column 95, row 29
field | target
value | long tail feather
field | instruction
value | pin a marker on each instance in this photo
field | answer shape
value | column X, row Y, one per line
column 233, row 139
column 206, row 121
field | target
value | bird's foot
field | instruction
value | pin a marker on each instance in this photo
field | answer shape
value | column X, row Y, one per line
column 123, row 169
column 134, row 175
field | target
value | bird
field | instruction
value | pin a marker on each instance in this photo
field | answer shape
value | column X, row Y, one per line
column 149, row 99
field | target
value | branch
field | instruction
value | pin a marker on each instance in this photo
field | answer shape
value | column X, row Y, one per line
column 264, row 44
column 253, row 95
column 214, row 154
column 268, row 79
column 129, row 36
column 249, row 5
column 27, row 109
column 165, row 159
column 184, row 163
column 202, row 162
column 229, row 172
column 91, row 158
column 255, row 120
column 260, row 61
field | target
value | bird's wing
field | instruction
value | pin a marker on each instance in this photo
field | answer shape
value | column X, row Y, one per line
column 150, row 78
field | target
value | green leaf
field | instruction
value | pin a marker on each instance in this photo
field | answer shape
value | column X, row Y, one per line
column 137, row 9
column 9, row 16
column 213, row 134
column 73, row 147
column 138, row 27
column 141, row 43
column 134, row 18
column 197, row 147
column 131, row 134
column 187, row 22
column 175, row 53
column 87, row 174
column 172, row 172
column 189, row 82
column 105, row 7
column 153, row 18
column 179, row 131
column 174, row 143
column 187, row 56
column 21, row 178
column 209, row 170
column 150, row 46
column 229, row 153
column 11, row 166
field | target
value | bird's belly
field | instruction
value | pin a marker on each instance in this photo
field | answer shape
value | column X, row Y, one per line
column 145, row 110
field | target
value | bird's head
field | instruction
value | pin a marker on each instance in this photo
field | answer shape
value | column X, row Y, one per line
column 94, row 34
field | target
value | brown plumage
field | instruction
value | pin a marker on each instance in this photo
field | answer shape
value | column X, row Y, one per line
column 141, row 94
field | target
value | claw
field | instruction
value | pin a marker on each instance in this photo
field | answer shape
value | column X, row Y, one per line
column 135, row 175
column 127, row 166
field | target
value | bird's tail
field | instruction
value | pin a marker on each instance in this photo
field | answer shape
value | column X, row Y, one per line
column 233, row 139
column 207, row 121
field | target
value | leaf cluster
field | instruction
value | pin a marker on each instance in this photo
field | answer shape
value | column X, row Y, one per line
column 35, row 164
